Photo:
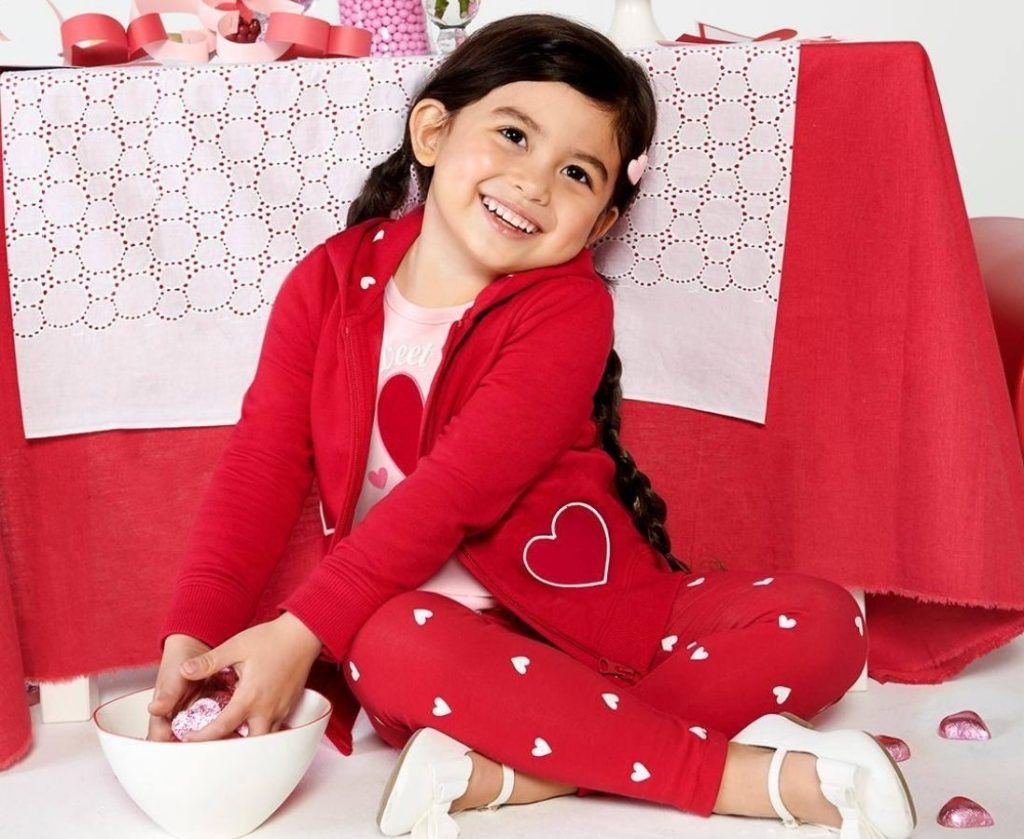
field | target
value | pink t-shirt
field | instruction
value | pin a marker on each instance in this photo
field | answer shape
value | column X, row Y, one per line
column 410, row 355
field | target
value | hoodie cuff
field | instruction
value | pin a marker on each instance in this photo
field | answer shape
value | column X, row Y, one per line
column 332, row 612
column 205, row 613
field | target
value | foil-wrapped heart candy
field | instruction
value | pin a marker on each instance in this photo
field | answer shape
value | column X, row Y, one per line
column 898, row 749
column 963, row 812
column 964, row 725
column 215, row 696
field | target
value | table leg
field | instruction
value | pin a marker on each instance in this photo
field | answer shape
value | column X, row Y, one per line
column 862, row 680
column 71, row 701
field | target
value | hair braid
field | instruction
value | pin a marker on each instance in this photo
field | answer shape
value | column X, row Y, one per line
column 386, row 187
column 633, row 486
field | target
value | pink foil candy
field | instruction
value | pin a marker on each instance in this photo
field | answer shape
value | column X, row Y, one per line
column 964, row 725
column 962, row 812
column 196, row 716
column 228, row 676
column 898, row 749
column 218, row 690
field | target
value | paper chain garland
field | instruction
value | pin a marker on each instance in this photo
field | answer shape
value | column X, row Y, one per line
column 91, row 40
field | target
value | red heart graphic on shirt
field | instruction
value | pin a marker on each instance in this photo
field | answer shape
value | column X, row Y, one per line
column 399, row 413
column 577, row 551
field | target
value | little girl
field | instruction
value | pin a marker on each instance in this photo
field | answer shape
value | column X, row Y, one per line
column 498, row 591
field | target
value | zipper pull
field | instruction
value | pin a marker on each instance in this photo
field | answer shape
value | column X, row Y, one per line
column 618, row 671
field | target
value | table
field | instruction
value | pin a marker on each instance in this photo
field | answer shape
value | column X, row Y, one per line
column 887, row 460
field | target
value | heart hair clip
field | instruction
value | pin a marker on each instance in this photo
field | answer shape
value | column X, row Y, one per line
column 636, row 167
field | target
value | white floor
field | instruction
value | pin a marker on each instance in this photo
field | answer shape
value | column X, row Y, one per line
column 64, row 788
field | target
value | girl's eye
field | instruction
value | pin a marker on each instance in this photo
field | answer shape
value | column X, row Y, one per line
column 578, row 174
column 513, row 134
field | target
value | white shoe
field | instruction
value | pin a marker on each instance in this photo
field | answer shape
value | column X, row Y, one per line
column 432, row 772
column 856, row 772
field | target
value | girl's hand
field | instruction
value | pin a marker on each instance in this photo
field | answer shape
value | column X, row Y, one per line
column 272, row 661
column 173, row 692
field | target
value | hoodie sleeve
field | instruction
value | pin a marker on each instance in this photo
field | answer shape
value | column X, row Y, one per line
column 527, row 410
column 261, row 480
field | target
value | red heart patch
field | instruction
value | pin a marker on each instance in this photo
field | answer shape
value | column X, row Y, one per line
column 577, row 551
column 399, row 414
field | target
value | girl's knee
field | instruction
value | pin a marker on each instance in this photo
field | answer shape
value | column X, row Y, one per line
column 388, row 632
column 821, row 596
column 410, row 638
column 840, row 632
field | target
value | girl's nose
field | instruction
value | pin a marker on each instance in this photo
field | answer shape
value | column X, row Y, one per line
column 533, row 184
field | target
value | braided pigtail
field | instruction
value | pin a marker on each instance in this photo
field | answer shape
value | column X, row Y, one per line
column 386, row 188
column 634, row 486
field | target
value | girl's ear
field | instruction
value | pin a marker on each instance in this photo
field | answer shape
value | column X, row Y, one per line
column 427, row 124
column 603, row 224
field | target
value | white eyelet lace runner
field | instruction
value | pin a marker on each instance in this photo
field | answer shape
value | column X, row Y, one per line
column 153, row 212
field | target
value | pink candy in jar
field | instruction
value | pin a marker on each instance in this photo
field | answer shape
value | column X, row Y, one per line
column 399, row 27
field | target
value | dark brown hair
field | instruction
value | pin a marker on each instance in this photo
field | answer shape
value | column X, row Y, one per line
column 541, row 48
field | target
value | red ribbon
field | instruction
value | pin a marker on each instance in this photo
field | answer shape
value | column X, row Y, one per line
column 92, row 40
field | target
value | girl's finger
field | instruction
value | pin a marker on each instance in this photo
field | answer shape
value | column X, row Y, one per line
column 259, row 726
column 159, row 704
column 203, row 666
column 159, row 729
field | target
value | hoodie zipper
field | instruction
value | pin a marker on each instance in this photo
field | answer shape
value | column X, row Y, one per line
column 618, row 671
column 455, row 336
column 359, row 457
column 605, row 666
column 361, row 453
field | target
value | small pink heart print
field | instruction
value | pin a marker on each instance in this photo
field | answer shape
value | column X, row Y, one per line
column 378, row 477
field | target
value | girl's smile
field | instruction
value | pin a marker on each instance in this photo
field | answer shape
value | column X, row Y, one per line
column 508, row 220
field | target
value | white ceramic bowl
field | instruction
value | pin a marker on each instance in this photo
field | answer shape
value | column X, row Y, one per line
column 214, row 790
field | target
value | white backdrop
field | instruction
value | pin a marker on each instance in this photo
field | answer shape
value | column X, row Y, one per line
column 971, row 45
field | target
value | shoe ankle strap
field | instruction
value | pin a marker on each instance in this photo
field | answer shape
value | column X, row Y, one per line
column 774, row 770
column 507, row 783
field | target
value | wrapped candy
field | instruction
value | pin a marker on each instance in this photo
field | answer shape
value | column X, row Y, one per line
column 213, row 698
column 963, row 812
column 898, row 749
column 964, row 725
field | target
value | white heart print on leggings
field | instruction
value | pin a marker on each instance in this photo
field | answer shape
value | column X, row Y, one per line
column 540, row 747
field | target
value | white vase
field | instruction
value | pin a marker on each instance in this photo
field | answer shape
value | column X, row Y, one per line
column 633, row 25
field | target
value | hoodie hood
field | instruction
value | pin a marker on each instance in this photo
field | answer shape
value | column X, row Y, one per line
column 364, row 270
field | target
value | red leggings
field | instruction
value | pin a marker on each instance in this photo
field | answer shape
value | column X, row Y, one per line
column 746, row 645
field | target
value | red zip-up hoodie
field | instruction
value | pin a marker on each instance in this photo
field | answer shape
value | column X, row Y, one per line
column 511, row 476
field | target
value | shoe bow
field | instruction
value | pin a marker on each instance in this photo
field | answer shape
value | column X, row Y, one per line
column 447, row 782
column 839, row 785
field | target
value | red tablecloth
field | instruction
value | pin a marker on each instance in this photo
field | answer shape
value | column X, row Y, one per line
column 888, row 459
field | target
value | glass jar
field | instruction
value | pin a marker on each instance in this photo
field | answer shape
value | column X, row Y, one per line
column 451, row 17
column 398, row 26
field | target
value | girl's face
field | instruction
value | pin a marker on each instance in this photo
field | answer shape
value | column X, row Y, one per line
column 539, row 154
